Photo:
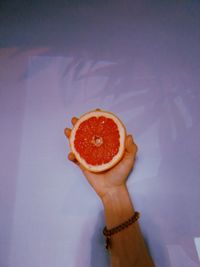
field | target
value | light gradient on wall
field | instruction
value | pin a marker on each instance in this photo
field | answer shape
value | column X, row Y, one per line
column 141, row 63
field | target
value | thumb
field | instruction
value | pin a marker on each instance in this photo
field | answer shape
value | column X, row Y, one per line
column 130, row 146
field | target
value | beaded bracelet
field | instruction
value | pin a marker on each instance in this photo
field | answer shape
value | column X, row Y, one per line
column 108, row 233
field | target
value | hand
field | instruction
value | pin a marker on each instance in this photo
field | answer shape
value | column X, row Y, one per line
column 114, row 178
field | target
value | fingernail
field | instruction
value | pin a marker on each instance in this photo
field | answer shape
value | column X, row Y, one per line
column 130, row 137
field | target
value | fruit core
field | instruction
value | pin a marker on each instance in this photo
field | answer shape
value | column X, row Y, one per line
column 97, row 140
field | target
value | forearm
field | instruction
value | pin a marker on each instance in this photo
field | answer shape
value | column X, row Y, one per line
column 127, row 246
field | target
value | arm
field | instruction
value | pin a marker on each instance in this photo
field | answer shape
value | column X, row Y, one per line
column 128, row 247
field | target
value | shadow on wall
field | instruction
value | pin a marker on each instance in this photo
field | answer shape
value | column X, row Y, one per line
column 98, row 255
column 153, row 238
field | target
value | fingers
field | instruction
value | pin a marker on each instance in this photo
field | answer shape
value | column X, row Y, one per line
column 67, row 132
column 74, row 120
column 131, row 147
column 71, row 155
column 72, row 158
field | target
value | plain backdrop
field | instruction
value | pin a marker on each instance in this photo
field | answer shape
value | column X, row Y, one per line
column 138, row 59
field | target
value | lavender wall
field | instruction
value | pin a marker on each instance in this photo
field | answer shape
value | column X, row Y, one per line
column 135, row 58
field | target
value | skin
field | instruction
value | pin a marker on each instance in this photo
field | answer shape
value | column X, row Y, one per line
column 127, row 247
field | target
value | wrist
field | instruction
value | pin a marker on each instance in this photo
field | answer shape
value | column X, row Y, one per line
column 113, row 194
column 117, row 206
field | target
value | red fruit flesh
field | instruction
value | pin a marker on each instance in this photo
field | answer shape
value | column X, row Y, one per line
column 97, row 140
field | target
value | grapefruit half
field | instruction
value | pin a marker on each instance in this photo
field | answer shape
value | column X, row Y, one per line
column 98, row 140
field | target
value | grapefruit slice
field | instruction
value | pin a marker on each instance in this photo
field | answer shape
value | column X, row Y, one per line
column 98, row 140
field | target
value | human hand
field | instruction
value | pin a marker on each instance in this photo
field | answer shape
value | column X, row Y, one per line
column 114, row 178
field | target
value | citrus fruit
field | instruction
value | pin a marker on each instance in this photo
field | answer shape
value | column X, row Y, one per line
column 98, row 140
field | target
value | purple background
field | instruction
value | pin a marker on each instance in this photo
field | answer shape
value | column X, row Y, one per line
column 139, row 59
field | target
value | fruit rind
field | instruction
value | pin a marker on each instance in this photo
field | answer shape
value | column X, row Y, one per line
column 122, row 133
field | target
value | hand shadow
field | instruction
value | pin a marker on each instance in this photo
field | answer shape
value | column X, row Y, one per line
column 99, row 254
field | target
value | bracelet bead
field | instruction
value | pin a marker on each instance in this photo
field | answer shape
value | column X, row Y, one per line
column 108, row 233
